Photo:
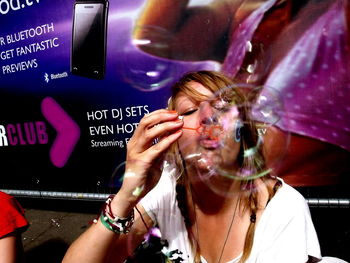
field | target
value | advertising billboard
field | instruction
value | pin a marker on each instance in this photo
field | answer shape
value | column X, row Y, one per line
column 77, row 76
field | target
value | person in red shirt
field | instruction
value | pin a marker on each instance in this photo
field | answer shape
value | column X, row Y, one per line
column 12, row 225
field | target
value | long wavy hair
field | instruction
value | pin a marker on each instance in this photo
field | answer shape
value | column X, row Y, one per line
column 217, row 82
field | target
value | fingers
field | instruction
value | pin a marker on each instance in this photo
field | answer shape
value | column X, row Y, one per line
column 157, row 117
column 143, row 156
column 163, row 129
column 156, row 150
column 155, row 125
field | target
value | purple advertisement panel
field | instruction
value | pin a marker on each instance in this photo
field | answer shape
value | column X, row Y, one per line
column 73, row 87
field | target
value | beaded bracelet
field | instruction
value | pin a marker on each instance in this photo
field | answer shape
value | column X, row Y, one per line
column 114, row 223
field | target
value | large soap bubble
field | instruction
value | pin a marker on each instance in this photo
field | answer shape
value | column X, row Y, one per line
column 267, row 110
column 228, row 142
column 143, row 71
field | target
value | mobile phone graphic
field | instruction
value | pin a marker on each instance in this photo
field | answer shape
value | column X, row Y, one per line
column 89, row 39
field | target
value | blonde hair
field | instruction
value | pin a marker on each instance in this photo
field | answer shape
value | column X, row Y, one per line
column 215, row 82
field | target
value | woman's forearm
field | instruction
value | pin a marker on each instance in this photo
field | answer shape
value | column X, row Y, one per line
column 165, row 14
column 172, row 29
column 93, row 246
column 96, row 245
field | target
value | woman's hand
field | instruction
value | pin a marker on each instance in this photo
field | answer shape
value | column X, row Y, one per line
column 144, row 157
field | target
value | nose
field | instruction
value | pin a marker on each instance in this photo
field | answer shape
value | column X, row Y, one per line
column 207, row 114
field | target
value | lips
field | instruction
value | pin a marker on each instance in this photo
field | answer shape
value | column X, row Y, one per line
column 209, row 143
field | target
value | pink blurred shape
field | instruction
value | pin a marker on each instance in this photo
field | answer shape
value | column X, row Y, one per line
column 68, row 132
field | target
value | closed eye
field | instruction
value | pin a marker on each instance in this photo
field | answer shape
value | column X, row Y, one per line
column 189, row 112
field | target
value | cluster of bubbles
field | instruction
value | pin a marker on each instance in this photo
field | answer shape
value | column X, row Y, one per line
column 230, row 146
column 227, row 146
column 216, row 157
column 219, row 136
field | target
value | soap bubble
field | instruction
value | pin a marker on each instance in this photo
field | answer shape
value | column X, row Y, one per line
column 145, row 66
column 267, row 110
column 266, row 106
column 117, row 177
column 121, row 172
column 226, row 146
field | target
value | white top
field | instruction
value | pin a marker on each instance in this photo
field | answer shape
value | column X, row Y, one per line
column 235, row 260
column 285, row 232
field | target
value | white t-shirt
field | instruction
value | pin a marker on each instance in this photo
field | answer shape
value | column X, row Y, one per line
column 285, row 232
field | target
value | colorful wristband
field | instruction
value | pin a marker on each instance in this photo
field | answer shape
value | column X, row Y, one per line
column 114, row 223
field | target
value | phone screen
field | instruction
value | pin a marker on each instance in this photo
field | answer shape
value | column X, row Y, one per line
column 89, row 40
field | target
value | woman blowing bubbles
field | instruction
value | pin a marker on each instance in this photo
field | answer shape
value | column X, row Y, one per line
column 215, row 200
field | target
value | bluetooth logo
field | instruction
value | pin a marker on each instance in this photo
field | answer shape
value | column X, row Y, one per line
column 46, row 78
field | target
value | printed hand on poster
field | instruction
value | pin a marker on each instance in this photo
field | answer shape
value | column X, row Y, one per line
column 298, row 49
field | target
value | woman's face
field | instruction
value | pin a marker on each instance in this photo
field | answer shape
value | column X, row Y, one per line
column 208, row 141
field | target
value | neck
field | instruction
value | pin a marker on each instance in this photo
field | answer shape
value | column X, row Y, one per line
column 214, row 196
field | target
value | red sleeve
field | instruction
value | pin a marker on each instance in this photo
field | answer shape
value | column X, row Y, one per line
column 11, row 215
